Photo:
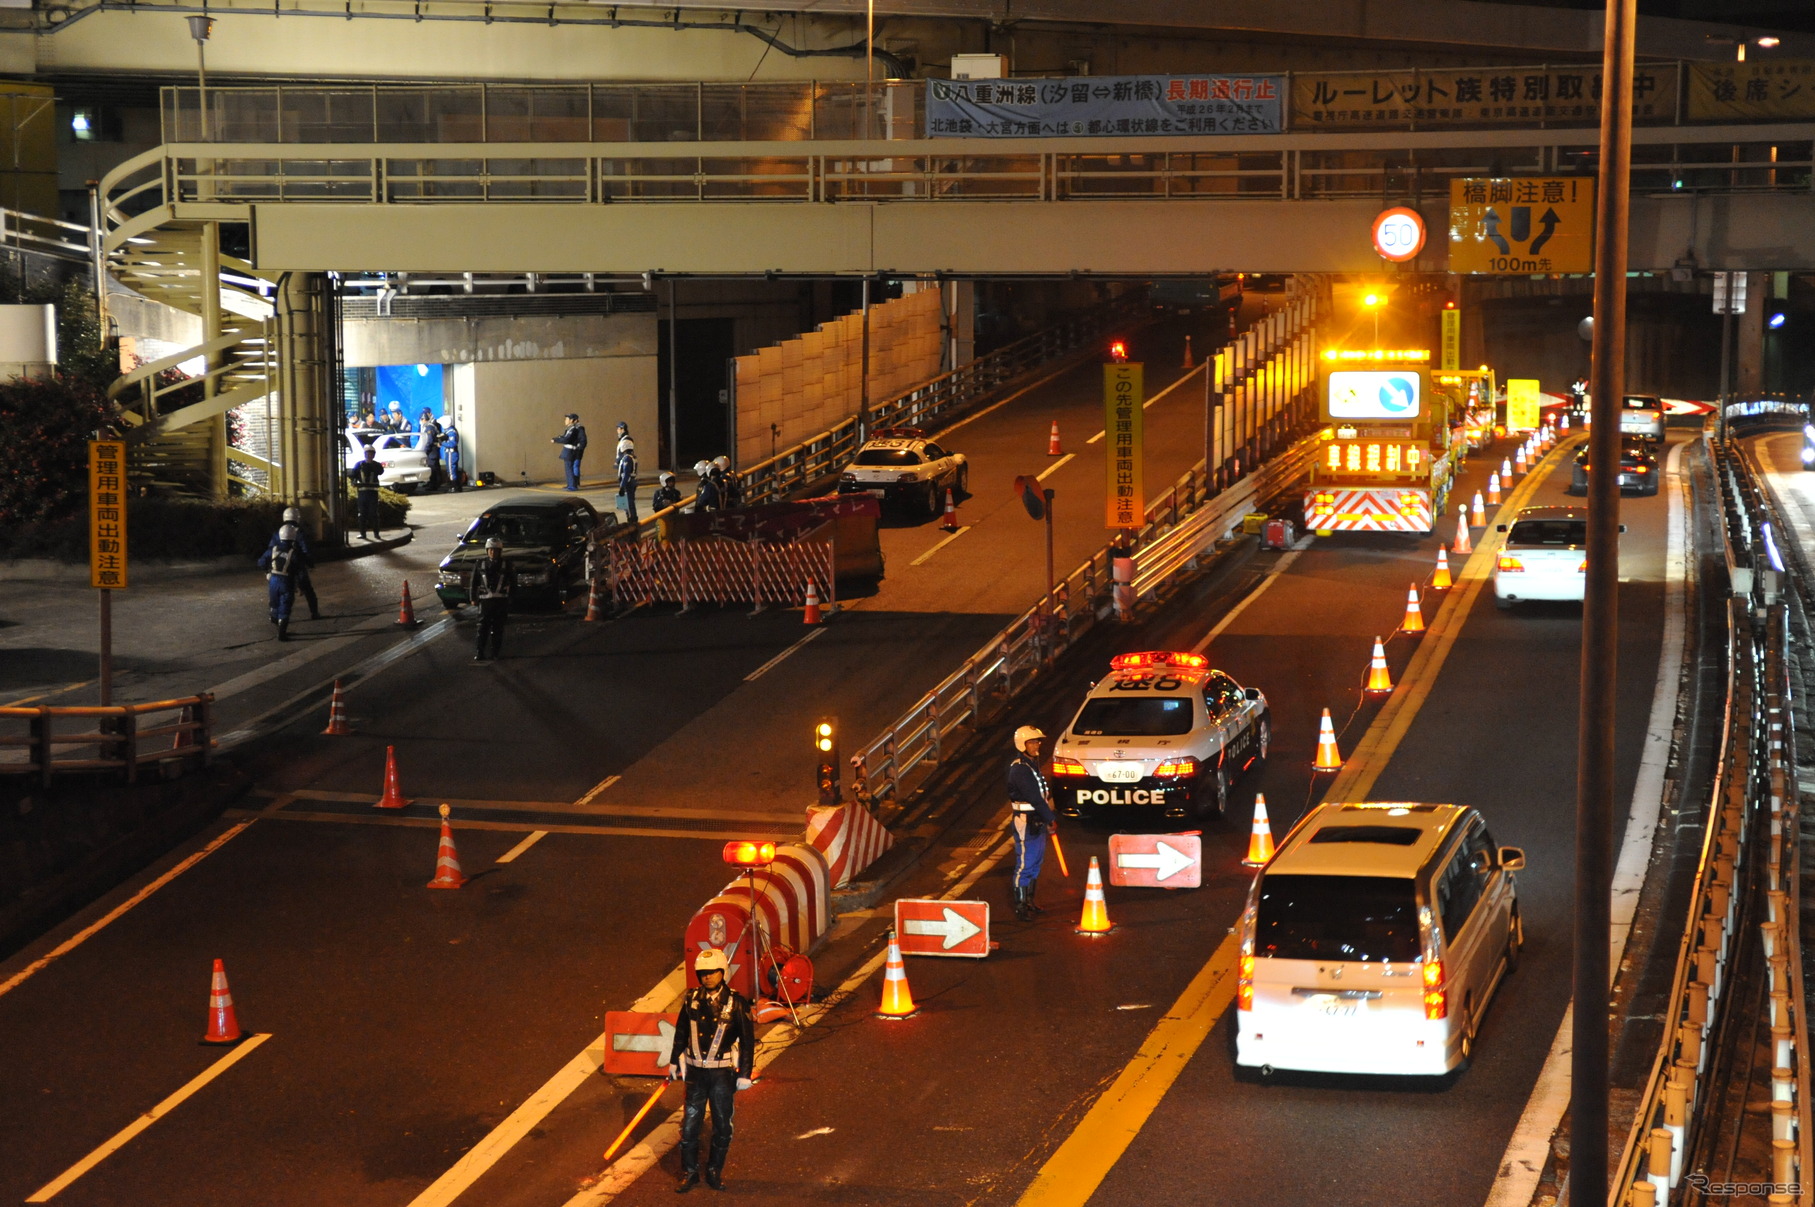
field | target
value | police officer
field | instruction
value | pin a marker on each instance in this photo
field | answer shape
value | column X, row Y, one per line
column 730, row 486
column 293, row 519
column 667, row 494
column 365, row 475
column 281, row 561
column 490, row 589
column 713, row 1046
column 627, row 472
column 428, row 439
column 1030, row 817
column 450, row 453
column 706, row 496
column 573, row 447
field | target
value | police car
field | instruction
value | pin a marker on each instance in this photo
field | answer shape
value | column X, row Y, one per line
column 900, row 465
column 1164, row 732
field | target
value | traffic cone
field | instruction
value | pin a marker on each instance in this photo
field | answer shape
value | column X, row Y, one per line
column 812, row 616
column 337, row 714
column 897, row 999
column 1260, row 839
column 447, row 860
column 1506, row 474
column 1328, row 757
column 1414, row 617
column 1478, row 513
column 1052, row 442
column 393, row 797
column 1462, row 543
column 1379, row 678
column 950, row 523
column 1095, row 919
column 1189, row 363
column 1441, row 581
column 594, row 609
column 1493, row 488
column 1520, row 461
column 223, row 1023
column 406, row 612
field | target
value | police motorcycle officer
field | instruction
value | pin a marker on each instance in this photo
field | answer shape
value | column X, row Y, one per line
column 667, row 494
column 281, row 561
column 1031, row 817
column 490, row 589
column 706, row 496
column 713, row 1047
column 293, row 518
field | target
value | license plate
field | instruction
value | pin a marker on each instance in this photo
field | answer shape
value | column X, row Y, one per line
column 1120, row 773
column 1335, row 1007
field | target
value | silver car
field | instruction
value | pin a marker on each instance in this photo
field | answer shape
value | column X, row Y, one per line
column 406, row 467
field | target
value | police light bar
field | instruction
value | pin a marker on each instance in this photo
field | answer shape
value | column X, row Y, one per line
column 1124, row 662
column 1387, row 354
column 747, row 854
column 899, row 433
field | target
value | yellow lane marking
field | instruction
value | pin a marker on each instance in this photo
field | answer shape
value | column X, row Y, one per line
column 1073, row 1173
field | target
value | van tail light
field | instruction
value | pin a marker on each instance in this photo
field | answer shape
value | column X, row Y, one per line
column 1244, row 985
column 1583, row 568
column 1436, row 1002
column 1176, row 769
column 1511, row 564
column 1068, row 767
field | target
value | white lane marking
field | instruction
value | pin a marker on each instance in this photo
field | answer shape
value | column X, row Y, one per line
column 1523, row 1162
column 597, row 788
column 766, row 667
column 1175, row 385
column 942, row 544
column 1053, row 468
column 1279, row 568
column 818, row 1131
column 308, row 652
column 510, row 856
column 616, row 808
column 122, row 1137
column 88, row 932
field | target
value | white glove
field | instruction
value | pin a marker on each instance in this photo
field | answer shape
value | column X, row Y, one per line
column 674, row 1072
column 744, row 1083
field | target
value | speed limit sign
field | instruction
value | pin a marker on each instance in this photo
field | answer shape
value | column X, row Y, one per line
column 1399, row 233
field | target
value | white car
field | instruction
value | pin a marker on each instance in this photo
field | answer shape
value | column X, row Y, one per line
column 1545, row 556
column 1373, row 941
column 901, row 465
column 406, row 467
column 1163, row 733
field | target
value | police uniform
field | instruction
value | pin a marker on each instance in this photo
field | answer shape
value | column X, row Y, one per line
column 1031, row 817
column 666, row 495
column 365, row 476
column 627, row 476
column 281, row 560
column 490, row 589
column 715, row 1043
column 573, row 447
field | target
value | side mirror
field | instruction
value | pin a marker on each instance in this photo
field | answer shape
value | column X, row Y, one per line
column 1499, row 527
column 1252, row 693
column 1512, row 859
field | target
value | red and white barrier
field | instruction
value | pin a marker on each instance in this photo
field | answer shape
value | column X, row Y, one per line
column 850, row 838
column 793, row 896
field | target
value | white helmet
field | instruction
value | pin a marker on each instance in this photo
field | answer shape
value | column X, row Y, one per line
column 722, row 462
column 711, row 959
column 292, row 515
column 288, row 532
column 665, row 477
column 1026, row 734
column 702, row 468
column 492, row 542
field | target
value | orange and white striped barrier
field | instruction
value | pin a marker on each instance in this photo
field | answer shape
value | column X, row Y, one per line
column 793, row 909
column 850, row 838
column 1441, row 581
column 1328, row 758
column 1095, row 918
column 223, row 1021
column 1414, row 615
column 447, row 860
column 1380, row 679
column 1260, row 838
column 897, row 999
column 337, row 714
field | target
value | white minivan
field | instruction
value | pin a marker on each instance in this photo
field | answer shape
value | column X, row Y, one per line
column 1373, row 941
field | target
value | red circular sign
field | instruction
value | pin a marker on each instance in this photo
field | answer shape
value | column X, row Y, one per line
column 1399, row 233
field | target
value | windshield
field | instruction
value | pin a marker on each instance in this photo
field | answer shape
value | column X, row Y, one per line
column 1149, row 717
column 888, row 456
column 1559, row 534
column 1364, row 918
column 513, row 528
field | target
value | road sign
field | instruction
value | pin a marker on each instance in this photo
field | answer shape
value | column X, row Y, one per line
column 1156, row 860
column 635, row 1042
column 1452, row 340
column 1521, row 224
column 1399, row 234
column 942, row 928
column 1521, row 404
column 1729, row 293
column 107, row 514
column 1122, row 416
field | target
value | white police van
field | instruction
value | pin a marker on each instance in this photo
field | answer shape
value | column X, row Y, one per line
column 1162, row 732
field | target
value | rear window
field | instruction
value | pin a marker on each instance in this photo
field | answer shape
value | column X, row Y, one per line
column 888, row 456
column 1560, row 533
column 1148, row 717
column 513, row 529
column 1370, row 919
column 1399, row 836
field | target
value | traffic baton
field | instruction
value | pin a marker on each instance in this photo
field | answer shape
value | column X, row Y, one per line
column 1060, row 852
column 625, row 1134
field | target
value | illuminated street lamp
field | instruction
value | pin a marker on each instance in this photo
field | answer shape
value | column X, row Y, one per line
column 1373, row 302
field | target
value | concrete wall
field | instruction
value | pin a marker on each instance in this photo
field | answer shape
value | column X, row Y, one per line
column 458, row 340
column 508, row 411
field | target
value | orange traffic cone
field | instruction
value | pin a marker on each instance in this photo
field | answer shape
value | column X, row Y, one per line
column 337, row 714
column 1493, row 488
column 393, row 797
column 897, row 999
column 1413, row 622
column 1379, row 678
column 1441, row 581
column 812, row 616
column 1506, row 474
column 1478, row 513
column 1260, row 839
column 950, row 523
column 1052, row 442
column 1095, row 919
column 1462, row 543
column 1520, row 461
column 223, row 1023
column 594, row 609
column 1189, row 363
column 1328, row 757
column 406, row 612
column 447, row 860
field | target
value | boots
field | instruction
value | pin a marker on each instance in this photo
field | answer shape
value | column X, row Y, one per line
column 1023, row 905
column 715, row 1159
column 1032, row 905
column 690, row 1168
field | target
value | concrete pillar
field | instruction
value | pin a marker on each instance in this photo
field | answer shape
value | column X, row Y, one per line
column 304, row 346
column 1749, row 380
column 961, row 321
column 209, row 272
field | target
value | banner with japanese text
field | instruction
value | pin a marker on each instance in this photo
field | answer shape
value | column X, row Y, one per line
column 1105, row 105
column 107, row 514
column 1470, row 96
column 1122, row 412
column 1757, row 90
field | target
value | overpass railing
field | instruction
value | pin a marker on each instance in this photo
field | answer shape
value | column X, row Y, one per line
column 46, row 741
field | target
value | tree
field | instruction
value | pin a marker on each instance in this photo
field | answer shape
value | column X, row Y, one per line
column 45, row 426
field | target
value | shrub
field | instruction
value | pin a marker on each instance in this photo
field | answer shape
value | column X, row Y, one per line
column 45, row 427
column 393, row 508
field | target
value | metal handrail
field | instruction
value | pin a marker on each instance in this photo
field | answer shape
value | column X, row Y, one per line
column 118, row 737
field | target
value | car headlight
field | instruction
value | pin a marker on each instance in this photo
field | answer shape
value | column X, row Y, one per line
column 449, row 578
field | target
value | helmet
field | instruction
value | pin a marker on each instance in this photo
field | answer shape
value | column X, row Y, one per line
column 492, row 542
column 702, row 468
column 721, row 462
column 711, row 960
column 292, row 515
column 665, row 477
column 397, row 406
column 288, row 532
column 1026, row 734
column 623, row 427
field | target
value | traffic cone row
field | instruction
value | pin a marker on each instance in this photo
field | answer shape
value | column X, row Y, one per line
column 1462, row 544
column 1328, row 757
column 1493, row 488
column 897, row 1000
column 393, row 797
column 1052, row 442
column 447, row 860
column 223, row 1022
column 1260, row 839
column 1095, row 918
column 337, row 714
column 1380, row 680
column 1414, row 615
column 811, row 615
column 406, row 611
column 1441, row 581
column 950, row 523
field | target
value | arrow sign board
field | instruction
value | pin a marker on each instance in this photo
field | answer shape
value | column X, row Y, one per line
column 1520, row 225
column 942, row 928
column 635, row 1042
column 1156, row 860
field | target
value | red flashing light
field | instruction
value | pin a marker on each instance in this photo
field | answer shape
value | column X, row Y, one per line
column 1118, row 351
column 746, row 854
column 1126, row 662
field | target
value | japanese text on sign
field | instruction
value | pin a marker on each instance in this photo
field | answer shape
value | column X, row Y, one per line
column 1469, row 96
column 1451, row 345
column 1521, row 224
column 1105, row 105
column 1767, row 89
column 107, row 514
column 1122, row 414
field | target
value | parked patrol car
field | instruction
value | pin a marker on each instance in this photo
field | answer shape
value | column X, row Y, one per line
column 900, row 465
column 1162, row 732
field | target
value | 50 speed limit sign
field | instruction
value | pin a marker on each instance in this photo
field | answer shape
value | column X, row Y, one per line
column 1399, row 233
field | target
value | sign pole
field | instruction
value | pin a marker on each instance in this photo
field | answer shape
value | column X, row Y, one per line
column 1052, row 639
column 107, row 541
column 106, row 648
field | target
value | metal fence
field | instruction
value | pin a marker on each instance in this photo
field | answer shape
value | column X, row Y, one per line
column 46, row 741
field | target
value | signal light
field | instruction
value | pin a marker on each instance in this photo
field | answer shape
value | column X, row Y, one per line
column 1176, row 769
column 825, row 759
column 1510, row 564
column 1436, row 1002
column 1118, row 351
column 1244, row 984
column 1123, row 662
column 744, row 853
column 1068, row 767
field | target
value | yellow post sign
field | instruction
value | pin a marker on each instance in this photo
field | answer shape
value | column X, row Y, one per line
column 1122, row 427
column 107, row 514
column 1521, row 224
column 1521, row 404
column 1452, row 341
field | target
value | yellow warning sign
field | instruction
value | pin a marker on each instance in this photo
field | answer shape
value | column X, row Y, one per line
column 1452, row 340
column 1521, row 404
column 107, row 514
column 1521, row 224
column 1122, row 415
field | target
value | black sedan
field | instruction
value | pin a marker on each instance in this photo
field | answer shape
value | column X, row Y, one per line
column 1638, row 468
column 544, row 541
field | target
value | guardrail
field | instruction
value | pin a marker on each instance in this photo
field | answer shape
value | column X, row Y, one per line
column 118, row 737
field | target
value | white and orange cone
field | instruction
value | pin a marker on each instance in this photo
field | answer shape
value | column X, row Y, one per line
column 594, row 605
column 1380, row 679
column 1095, row 918
column 223, row 1022
column 1441, row 581
column 393, row 797
column 406, row 611
column 1493, row 488
column 811, row 615
column 1053, row 448
column 1477, row 517
column 1520, row 461
column 1260, row 839
column 1188, row 363
column 1506, row 473
column 897, row 999
column 950, row 523
column 447, row 860
column 1414, row 616
column 337, row 714
column 1462, row 544
column 1328, row 757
